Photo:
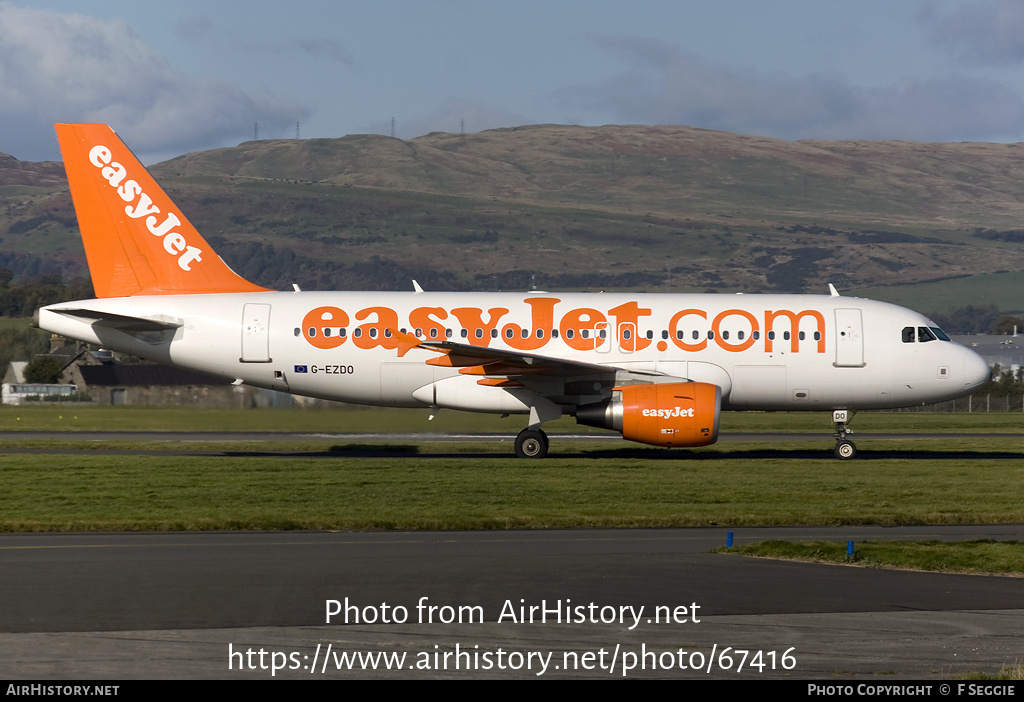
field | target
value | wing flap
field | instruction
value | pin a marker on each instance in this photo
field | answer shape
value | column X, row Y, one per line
column 491, row 362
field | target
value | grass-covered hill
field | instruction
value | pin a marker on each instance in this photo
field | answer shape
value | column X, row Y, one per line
column 585, row 208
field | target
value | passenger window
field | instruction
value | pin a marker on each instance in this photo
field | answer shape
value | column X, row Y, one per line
column 908, row 335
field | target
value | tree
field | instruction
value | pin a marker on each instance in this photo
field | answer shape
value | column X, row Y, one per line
column 43, row 369
column 1007, row 323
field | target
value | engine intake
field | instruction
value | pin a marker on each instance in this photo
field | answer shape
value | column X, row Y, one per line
column 670, row 414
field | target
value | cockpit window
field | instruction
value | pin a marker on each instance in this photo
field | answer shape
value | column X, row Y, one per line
column 923, row 334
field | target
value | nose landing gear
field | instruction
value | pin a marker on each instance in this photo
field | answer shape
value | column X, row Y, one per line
column 844, row 448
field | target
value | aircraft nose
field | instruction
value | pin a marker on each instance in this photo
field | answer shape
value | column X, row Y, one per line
column 976, row 371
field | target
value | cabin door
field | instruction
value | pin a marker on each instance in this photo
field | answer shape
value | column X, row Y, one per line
column 256, row 333
column 849, row 339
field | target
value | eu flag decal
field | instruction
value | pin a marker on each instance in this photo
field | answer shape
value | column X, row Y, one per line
column 301, row 369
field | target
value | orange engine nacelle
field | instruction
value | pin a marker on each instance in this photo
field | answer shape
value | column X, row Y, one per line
column 671, row 414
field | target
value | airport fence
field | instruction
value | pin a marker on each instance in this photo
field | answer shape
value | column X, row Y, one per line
column 987, row 402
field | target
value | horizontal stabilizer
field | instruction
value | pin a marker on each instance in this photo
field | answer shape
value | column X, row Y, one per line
column 122, row 322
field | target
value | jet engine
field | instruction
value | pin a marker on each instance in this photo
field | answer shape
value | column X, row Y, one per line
column 669, row 414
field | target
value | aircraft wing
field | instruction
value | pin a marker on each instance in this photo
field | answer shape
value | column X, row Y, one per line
column 495, row 365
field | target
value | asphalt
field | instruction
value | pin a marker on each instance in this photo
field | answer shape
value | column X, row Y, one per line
column 205, row 605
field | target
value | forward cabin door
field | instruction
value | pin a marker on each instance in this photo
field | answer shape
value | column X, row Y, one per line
column 256, row 333
column 849, row 339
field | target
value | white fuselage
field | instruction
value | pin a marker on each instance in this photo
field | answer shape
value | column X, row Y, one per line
column 768, row 352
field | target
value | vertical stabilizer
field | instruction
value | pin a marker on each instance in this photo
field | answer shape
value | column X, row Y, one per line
column 136, row 240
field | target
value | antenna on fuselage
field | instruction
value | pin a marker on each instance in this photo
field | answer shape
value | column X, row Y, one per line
column 832, row 290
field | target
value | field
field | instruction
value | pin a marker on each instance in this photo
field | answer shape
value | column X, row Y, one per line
column 198, row 481
column 982, row 556
column 999, row 289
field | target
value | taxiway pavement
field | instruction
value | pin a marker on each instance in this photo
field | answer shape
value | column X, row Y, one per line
column 202, row 605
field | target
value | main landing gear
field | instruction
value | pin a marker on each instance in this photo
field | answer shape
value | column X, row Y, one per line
column 844, row 449
column 531, row 443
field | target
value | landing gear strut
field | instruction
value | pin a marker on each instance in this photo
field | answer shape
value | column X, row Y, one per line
column 844, row 449
column 531, row 443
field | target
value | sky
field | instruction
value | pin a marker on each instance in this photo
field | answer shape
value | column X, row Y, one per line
column 188, row 75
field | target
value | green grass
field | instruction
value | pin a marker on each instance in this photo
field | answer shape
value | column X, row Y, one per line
column 974, row 557
column 1007, row 672
column 67, row 481
column 999, row 289
column 467, row 486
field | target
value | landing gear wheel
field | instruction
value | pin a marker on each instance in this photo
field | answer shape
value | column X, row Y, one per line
column 845, row 450
column 531, row 443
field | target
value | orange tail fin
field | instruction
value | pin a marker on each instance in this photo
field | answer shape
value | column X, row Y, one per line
column 136, row 240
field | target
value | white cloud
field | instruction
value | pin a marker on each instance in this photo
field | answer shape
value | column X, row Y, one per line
column 63, row 67
column 665, row 85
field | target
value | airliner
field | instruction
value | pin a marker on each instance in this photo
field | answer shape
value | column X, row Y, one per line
column 657, row 368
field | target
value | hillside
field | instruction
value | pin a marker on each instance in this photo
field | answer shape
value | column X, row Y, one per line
column 560, row 207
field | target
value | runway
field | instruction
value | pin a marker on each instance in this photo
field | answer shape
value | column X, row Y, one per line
column 190, row 605
column 438, row 437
